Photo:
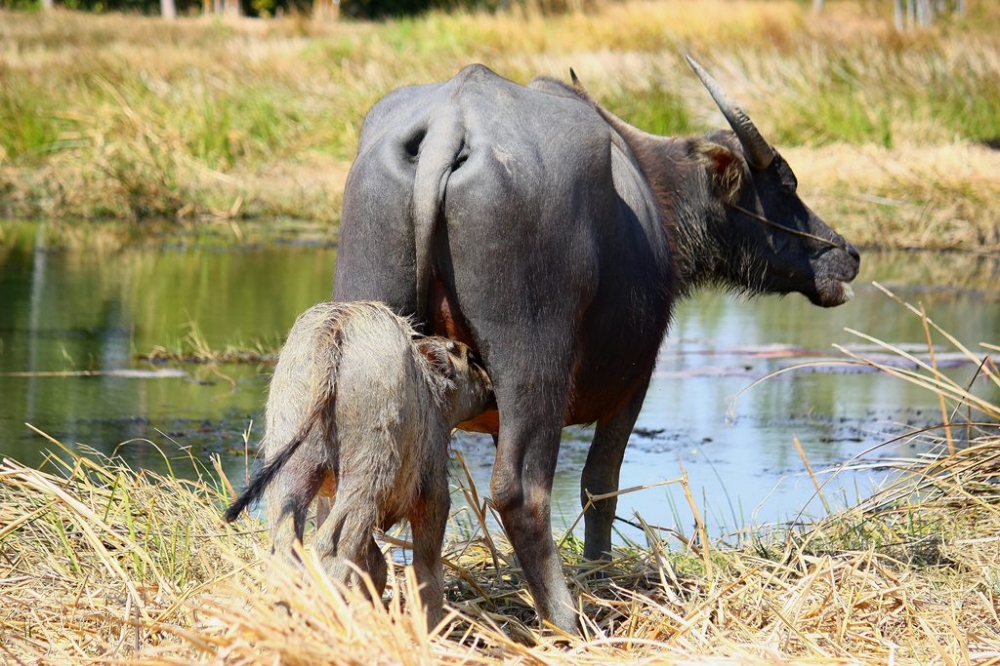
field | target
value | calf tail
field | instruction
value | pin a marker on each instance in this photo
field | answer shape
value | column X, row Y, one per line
column 330, row 334
column 263, row 476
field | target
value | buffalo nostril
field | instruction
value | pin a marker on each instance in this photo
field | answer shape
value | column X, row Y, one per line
column 853, row 251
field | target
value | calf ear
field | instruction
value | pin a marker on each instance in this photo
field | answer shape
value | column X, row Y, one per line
column 437, row 354
column 725, row 169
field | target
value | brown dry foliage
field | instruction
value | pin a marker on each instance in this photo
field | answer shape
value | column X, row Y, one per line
column 103, row 563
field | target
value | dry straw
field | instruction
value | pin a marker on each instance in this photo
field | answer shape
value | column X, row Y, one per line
column 101, row 563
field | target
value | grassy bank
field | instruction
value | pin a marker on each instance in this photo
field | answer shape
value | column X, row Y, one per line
column 100, row 562
column 134, row 119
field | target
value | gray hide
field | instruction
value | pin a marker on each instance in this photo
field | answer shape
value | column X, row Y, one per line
column 555, row 239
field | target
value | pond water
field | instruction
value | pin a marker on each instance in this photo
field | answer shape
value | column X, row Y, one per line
column 63, row 312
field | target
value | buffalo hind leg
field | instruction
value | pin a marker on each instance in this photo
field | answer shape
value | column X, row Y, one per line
column 522, row 493
column 600, row 476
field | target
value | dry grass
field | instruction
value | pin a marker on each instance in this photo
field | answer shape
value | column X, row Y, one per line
column 128, row 118
column 101, row 562
column 928, row 197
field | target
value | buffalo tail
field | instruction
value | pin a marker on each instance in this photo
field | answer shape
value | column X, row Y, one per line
column 439, row 154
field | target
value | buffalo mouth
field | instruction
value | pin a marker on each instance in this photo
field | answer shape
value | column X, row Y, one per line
column 835, row 289
column 834, row 293
column 831, row 287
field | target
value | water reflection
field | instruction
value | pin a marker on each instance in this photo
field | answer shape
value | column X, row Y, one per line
column 71, row 311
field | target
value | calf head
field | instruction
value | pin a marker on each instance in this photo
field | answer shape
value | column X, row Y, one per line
column 774, row 243
column 469, row 390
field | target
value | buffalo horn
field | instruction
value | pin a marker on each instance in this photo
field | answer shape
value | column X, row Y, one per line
column 758, row 151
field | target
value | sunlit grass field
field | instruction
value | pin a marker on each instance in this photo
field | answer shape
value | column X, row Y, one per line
column 893, row 134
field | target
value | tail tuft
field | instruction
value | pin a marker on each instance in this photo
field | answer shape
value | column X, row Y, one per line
column 263, row 476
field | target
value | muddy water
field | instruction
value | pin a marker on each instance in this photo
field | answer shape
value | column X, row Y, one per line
column 63, row 313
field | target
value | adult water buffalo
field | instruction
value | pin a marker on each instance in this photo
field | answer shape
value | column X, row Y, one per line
column 554, row 238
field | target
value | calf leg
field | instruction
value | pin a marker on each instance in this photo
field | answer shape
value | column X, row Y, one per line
column 428, row 521
column 600, row 476
column 288, row 498
column 323, row 507
column 375, row 565
column 345, row 538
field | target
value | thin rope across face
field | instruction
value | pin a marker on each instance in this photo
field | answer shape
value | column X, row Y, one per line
column 795, row 232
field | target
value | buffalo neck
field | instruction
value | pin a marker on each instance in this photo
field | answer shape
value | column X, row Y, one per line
column 690, row 213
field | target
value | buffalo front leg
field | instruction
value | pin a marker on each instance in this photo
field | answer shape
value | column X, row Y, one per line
column 522, row 493
column 600, row 477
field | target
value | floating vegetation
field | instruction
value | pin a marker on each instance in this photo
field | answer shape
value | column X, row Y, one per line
column 194, row 348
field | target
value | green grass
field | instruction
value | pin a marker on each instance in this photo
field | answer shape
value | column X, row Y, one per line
column 131, row 118
column 657, row 111
column 27, row 130
column 880, row 93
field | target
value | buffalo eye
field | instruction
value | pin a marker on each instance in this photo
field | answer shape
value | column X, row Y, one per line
column 791, row 184
column 788, row 179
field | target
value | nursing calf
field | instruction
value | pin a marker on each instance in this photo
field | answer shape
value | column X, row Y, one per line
column 360, row 412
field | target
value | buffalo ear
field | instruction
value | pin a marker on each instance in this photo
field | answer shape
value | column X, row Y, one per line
column 725, row 169
column 438, row 354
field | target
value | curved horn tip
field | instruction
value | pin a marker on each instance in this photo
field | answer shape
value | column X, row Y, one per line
column 573, row 77
column 707, row 79
column 759, row 153
column 698, row 69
